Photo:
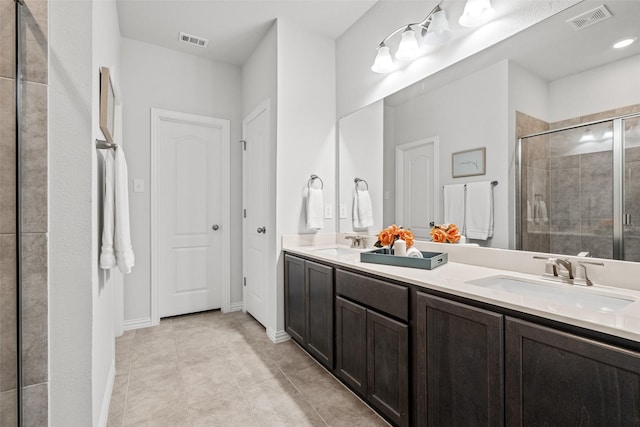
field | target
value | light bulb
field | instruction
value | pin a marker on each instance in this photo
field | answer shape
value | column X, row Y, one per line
column 384, row 62
column 587, row 136
column 476, row 12
column 408, row 48
column 438, row 32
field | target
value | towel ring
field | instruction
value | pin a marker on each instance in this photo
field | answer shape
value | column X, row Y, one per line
column 313, row 178
column 358, row 181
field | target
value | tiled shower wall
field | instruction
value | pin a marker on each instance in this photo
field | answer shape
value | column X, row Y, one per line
column 34, row 214
column 576, row 188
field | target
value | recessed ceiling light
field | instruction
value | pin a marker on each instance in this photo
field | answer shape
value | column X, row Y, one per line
column 624, row 42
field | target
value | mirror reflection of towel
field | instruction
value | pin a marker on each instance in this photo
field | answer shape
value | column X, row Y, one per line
column 540, row 212
column 362, row 209
column 479, row 210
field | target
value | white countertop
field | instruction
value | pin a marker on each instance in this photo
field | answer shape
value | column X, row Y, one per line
column 451, row 278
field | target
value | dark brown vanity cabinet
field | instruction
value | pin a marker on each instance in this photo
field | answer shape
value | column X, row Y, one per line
column 459, row 370
column 372, row 348
column 309, row 299
column 556, row 378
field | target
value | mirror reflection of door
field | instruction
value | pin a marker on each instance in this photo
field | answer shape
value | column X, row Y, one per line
column 416, row 185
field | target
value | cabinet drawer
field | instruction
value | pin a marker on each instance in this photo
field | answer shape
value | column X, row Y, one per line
column 386, row 297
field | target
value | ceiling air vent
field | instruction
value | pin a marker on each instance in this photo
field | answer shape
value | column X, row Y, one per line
column 193, row 40
column 589, row 18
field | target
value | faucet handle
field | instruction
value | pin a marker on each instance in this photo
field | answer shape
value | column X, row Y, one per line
column 581, row 273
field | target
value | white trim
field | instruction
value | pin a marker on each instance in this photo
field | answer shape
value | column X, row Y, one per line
column 277, row 336
column 224, row 125
column 106, row 399
column 400, row 150
column 143, row 322
column 235, row 306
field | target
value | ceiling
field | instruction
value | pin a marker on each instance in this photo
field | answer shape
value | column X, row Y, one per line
column 233, row 27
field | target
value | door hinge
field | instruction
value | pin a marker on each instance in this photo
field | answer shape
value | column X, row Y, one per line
column 244, row 214
column 244, row 280
column 244, row 144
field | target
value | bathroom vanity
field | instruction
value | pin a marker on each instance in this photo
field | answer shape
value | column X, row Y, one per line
column 428, row 348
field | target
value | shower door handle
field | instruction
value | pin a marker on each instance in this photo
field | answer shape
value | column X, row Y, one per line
column 626, row 219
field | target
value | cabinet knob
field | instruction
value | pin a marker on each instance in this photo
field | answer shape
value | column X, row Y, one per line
column 214, row 227
column 262, row 230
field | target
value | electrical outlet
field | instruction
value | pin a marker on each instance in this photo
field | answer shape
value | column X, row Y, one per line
column 343, row 211
column 138, row 185
column 328, row 211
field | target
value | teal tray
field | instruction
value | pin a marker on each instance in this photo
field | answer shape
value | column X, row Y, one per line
column 429, row 261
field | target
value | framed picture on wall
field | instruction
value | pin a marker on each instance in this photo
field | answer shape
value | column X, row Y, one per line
column 468, row 162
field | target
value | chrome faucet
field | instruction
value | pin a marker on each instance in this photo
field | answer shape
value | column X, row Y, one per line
column 581, row 273
column 357, row 241
column 567, row 266
column 561, row 270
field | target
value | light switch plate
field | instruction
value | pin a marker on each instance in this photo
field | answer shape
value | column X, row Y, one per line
column 328, row 211
column 138, row 185
column 343, row 211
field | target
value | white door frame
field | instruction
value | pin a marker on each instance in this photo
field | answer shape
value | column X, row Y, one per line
column 158, row 115
column 400, row 150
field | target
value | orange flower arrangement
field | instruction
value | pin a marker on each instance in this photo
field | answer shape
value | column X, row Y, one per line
column 444, row 233
column 389, row 235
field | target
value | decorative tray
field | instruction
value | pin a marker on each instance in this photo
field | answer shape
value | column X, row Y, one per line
column 429, row 261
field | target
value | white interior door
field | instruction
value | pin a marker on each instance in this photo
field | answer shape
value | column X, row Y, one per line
column 416, row 185
column 190, row 203
column 255, row 130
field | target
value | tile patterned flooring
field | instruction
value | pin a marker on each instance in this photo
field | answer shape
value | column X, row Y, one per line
column 215, row 369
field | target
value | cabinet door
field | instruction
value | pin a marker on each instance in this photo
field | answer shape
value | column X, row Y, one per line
column 351, row 344
column 558, row 379
column 295, row 300
column 319, row 281
column 459, row 364
column 388, row 367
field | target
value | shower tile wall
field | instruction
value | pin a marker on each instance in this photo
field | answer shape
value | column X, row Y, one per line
column 575, row 182
column 34, row 214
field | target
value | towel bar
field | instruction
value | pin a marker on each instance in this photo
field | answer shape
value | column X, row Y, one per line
column 105, row 145
column 313, row 178
column 493, row 184
column 358, row 181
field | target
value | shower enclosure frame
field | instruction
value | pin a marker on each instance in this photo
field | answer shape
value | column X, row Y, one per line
column 19, row 4
column 618, row 154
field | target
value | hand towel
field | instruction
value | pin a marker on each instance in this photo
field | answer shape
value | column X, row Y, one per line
column 315, row 209
column 412, row 252
column 122, row 235
column 454, row 206
column 362, row 209
column 479, row 210
column 107, row 256
column 529, row 212
column 542, row 210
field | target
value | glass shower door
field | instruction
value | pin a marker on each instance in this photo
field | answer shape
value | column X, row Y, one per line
column 631, row 213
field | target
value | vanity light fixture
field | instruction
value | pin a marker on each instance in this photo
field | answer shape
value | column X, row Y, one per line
column 587, row 136
column 476, row 12
column 622, row 43
column 434, row 31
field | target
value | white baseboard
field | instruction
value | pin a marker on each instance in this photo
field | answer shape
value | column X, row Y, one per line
column 235, row 306
column 278, row 336
column 143, row 322
column 106, row 399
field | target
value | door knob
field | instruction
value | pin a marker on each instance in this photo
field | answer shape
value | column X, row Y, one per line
column 262, row 230
column 215, row 227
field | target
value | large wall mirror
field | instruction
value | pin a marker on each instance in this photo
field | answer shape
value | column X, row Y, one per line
column 547, row 77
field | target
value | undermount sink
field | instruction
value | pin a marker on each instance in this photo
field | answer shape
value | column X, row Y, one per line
column 337, row 251
column 557, row 293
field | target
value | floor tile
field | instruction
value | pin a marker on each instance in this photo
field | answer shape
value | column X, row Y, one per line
column 215, row 369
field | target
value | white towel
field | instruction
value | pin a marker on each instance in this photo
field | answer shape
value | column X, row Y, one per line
column 529, row 212
column 412, row 252
column 315, row 209
column 454, row 205
column 107, row 257
column 541, row 212
column 362, row 209
column 479, row 210
column 122, row 235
